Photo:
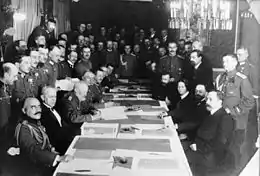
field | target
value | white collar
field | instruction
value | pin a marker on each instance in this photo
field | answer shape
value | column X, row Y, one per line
column 197, row 66
column 242, row 63
column 215, row 110
column 48, row 106
column 70, row 62
column 184, row 95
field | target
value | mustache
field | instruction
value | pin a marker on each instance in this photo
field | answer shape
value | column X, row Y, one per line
column 39, row 112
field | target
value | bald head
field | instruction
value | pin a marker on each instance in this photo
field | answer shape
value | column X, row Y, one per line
column 197, row 45
column 32, row 108
column 89, row 78
column 81, row 90
column 8, row 73
column 200, row 91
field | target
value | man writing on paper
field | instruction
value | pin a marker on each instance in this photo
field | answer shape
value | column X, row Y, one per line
column 74, row 109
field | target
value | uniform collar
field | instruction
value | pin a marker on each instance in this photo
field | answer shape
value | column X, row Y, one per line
column 70, row 63
column 242, row 63
column 213, row 111
column 22, row 74
column 184, row 95
column 197, row 66
column 231, row 73
column 51, row 62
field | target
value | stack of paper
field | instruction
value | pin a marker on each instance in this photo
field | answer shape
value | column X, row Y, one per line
column 99, row 130
column 113, row 113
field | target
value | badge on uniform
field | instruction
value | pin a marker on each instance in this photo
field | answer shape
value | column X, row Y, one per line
column 70, row 98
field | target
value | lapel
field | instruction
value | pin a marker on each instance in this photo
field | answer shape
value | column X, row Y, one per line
column 49, row 114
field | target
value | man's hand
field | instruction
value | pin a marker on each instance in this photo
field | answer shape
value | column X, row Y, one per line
column 97, row 115
column 65, row 158
column 163, row 114
column 109, row 104
column 167, row 101
column 193, row 147
column 183, row 136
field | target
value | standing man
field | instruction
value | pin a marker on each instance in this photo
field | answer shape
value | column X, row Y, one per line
column 8, row 74
column 25, row 86
column 249, row 70
column 84, row 64
column 127, row 63
column 51, row 66
column 202, row 72
column 238, row 100
column 47, row 31
column 171, row 63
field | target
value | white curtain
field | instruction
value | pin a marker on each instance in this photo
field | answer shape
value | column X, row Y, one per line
column 33, row 16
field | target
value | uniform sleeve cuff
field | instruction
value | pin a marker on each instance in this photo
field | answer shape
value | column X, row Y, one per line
column 55, row 162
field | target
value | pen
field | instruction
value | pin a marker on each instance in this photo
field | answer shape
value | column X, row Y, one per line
column 82, row 170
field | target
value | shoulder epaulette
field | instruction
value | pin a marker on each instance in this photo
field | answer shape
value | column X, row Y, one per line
column 241, row 75
column 179, row 56
column 163, row 57
column 132, row 54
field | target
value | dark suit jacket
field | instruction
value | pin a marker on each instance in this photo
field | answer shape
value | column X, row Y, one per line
column 203, row 75
column 215, row 133
column 184, row 111
column 64, row 70
column 73, row 111
column 60, row 136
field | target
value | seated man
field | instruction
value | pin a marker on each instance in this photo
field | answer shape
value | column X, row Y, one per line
column 105, row 83
column 112, row 77
column 164, row 89
column 60, row 134
column 211, row 142
column 31, row 137
column 74, row 108
column 190, row 128
column 185, row 109
column 89, row 79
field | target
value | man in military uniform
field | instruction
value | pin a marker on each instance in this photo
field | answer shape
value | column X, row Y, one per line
column 250, row 71
column 238, row 100
column 32, row 139
column 50, row 68
column 84, row 64
column 47, row 31
column 74, row 109
column 128, row 62
column 26, row 86
column 171, row 63
column 8, row 74
column 247, row 68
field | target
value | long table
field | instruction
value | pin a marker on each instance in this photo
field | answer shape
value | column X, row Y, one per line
column 151, row 147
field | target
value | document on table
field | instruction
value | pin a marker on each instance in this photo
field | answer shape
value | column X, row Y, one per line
column 156, row 162
column 92, row 154
column 91, row 167
column 113, row 113
column 99, row 130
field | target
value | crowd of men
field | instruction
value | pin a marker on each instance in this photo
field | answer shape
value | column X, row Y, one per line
column 212, row 115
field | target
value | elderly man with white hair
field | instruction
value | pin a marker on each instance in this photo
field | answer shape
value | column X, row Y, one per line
column 74, row 108
column 59, row 132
